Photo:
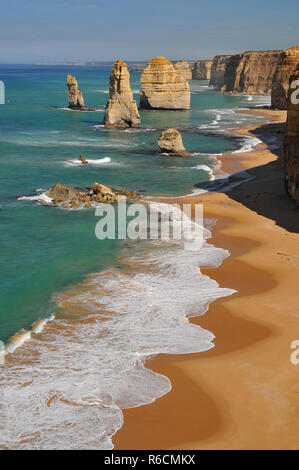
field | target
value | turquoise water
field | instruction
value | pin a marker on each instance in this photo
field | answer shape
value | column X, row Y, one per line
column 42, row 249
column 66, row 387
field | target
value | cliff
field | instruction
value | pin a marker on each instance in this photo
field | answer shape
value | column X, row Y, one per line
column 251, row 72
column 183, row 67
column 291, row 144
column 163, row 87
column 218, row 70
column 287, row 64
column 121, row 109
column 202, row 70
column 75, row 96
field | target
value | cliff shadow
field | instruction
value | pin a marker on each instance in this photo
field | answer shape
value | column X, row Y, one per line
column 261, row 188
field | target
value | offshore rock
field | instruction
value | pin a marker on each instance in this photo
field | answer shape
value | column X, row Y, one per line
column 202, row 70
column 121, row 109
column 75, row 96
column 184, row 68
column 171, row 142
column 218, row 70
column 163, row 87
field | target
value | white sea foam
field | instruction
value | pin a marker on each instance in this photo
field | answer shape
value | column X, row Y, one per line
column 89, row 362
column 95, row 161
column 249, row 145
column 41, row 196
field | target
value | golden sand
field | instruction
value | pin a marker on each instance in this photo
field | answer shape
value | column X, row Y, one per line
column 244, row 393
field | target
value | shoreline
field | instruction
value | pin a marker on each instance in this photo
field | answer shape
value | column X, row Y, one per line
column 243, row 392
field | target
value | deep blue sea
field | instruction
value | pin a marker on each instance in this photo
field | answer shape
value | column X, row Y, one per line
column 111, row 303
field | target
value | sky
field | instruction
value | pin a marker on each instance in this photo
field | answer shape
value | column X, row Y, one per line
column 137, row 30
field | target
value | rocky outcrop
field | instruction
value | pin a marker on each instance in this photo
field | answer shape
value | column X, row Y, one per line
column 121, row 109
column 82, row 160
column 184, row 68
column 286, row 66
column 71, row 198
column 291, row 144
column 75, row 96
column 251, row 72
column 171, row 142
column 218, row 70
column 202, row 70
column 163, row 87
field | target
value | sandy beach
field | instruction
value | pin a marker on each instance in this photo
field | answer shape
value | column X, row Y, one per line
column 243, row 393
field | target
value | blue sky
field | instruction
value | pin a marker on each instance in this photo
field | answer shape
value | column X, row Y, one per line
column 69, row 30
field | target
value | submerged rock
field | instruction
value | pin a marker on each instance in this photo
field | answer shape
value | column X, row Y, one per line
column 121, row 109
column 75, row 96
column 163, row 87
column 171, row 142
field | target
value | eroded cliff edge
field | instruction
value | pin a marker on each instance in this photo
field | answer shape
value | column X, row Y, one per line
column 291, row 144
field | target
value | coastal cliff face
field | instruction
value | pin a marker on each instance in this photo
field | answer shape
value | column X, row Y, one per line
column 291, row 144
column 286, row 66
column 251, row 72
column 121, row 109
column 218, row 69
column 75, row 96
column 163, row 87
column 202, row 70
column 184, row 68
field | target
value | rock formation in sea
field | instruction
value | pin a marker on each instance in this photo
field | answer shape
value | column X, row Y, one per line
column 202, row 70
column 291, row 144
column 218, row 70
column 163, row 87
column 121, row 109
column 286, row 66
column 72, row 198
column 75, row 96
column 171, row 142
column 251, row 72
column 184, row 68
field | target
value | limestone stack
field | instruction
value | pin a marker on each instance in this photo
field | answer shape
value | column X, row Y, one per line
column 75, row 96
column 184, row 68
column 163, row 87
column 202, row 70
column 251, row 72
column 218, row 70
column 121, row 109
column 291, row 144
column 171, row 142
column 286, row 66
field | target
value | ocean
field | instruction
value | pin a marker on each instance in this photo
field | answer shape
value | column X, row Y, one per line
column 79, row 316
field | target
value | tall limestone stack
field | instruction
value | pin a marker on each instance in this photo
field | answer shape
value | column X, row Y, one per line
column 251, row 72
column 121, row 109
column 287, row 65
column 218, row 70
column 184, row 68
column 202, row 70
column 291, row 144
column 75, row 96
column 163, row 87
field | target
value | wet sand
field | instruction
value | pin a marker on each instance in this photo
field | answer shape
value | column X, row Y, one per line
column 243, row 393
